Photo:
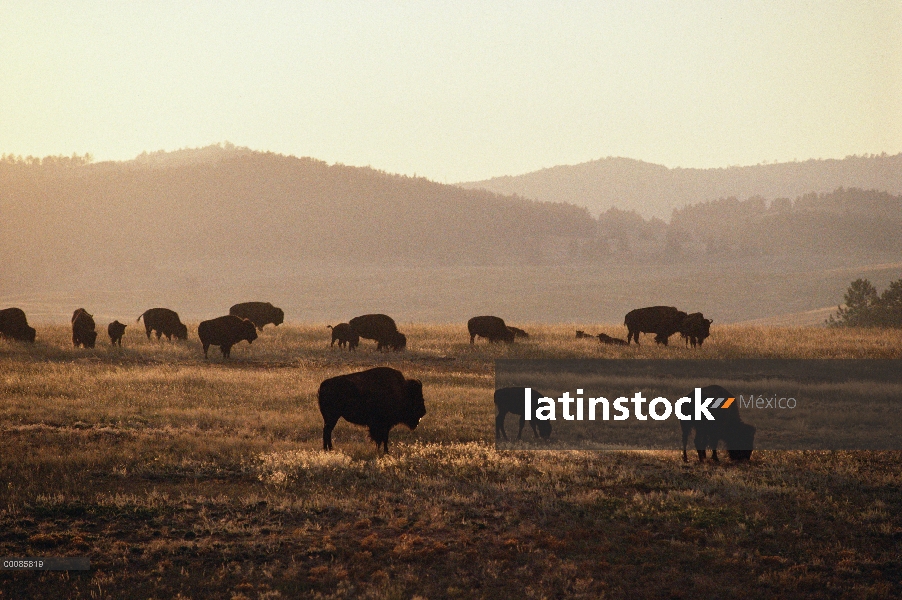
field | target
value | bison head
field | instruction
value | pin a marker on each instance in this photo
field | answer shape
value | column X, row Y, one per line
column 399, row 341
column 544, row 428
column 30, row 333
column 89, row 338
column 416, row 406
column 280, row 317
column 181, row 331
column 248, row 330
column 741, row 442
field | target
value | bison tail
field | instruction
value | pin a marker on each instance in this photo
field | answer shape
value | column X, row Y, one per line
column 141, row 315
column 328, row 327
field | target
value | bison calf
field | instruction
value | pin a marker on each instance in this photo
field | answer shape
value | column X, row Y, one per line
column 378, row 399
column 225, row 332
column 344, row 335
column 512, row 400
column 739, row 437
column 612, row 341
column 116, row 330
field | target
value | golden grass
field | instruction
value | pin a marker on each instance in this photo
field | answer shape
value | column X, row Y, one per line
column 179, row 476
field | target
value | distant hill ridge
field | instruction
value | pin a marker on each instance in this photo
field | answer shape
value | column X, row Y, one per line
column 654, row 190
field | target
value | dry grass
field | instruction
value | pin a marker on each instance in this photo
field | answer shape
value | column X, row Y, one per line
column 181, row 477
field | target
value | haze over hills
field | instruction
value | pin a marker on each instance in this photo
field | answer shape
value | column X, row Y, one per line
column 198, row 230
column 654, row 190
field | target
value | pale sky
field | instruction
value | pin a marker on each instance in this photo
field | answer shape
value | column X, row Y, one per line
column 455, row 91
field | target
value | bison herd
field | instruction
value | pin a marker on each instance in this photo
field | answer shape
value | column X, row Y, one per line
column 382, row 397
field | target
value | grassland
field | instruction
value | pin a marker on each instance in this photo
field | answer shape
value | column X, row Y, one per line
column 182, row 478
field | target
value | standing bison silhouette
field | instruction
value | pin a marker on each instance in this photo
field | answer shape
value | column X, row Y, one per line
column 14, row 325
column 225, row 332
column 739, row 437
column 378, row 399
column 491, row 328
column 259, row 313
column 663, row 321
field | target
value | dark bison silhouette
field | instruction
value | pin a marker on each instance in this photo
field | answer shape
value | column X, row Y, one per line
column 695, row 328
column 491, row 328
column 739, row 437
column 259, row 313
column 225, row 332
column 612, row 341
column 164, row 322
column 663, row 321
column 377, row 398
column 83, row 329
column 14, row 325
column 344, row 335
column 511, row 400
column 381, row 328
column 116, row 330
column 518, row 333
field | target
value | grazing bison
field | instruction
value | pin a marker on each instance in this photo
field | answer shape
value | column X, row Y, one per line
column 739, row 437
column 14, row 325
column 116, row 331
column 164, row 322
column 377, row 398
column 381, row 328
column 518, row 333
column 606, row 339
column 259, row 313
column 511, row 400
column 83, row 333
column 491, row 328
column 225, row 332
column 345, row 336
column 582, row 334
column 663, row 321
column 695, row 328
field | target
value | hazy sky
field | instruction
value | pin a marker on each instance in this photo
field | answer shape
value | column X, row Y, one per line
column 456, row 90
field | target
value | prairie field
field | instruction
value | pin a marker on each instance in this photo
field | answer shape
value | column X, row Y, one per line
column 181, row 477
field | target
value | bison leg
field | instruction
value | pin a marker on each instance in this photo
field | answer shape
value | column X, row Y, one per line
column 206, row 347
column 328, row 426
column 472, row 338
column 686, row 431
column 701, row 445
column 226, row 350
column 147, row 330
column 159, row 334
column 499, row 426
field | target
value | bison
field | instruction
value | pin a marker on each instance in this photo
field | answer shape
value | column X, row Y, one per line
column 663, row 321
column 612, row 341
column 491, row 328
column 345, row 336
column 582, row 334
column 164, row 322
column 511, row 400
column 381, row 328
column 739, row 437
column 378, row 399
column 116, row 330
column 225, row 332
column 518, row 333
column 83, row 333
column 259, row 313
column 14, row 325
column 695, row 328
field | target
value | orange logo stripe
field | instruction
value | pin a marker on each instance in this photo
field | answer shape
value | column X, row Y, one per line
column 728, row 402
